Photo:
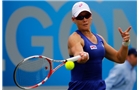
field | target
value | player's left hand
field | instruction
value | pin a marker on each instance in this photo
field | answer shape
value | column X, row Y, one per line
column 125, row 35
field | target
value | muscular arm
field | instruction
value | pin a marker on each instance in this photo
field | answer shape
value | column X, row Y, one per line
column 117, row 56
column 120, row 55
column 75, row 47
column 114, row 55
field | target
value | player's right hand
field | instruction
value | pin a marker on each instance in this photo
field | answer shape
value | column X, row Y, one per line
column 84, row 57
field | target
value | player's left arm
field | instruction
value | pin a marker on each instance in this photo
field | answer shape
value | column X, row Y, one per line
column 120, row 55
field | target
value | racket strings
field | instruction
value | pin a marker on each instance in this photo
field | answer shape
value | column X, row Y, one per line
column 32, row 72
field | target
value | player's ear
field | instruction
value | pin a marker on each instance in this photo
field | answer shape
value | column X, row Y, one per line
column 91, row 17
column 73, row 19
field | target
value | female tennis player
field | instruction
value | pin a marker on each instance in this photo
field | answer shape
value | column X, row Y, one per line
column 87, row 74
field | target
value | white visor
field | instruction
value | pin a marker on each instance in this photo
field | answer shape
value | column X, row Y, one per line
column 79, row 7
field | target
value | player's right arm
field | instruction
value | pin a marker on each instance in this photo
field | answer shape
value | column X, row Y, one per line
column 75, row 47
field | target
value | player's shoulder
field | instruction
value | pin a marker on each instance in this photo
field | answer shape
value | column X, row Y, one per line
column 100, row 36
column 74, row 36
column 104, row 41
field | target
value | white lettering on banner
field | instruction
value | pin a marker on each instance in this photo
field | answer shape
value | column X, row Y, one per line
column 11, row 29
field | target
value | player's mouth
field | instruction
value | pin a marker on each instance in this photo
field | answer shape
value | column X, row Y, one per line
column 85, row 24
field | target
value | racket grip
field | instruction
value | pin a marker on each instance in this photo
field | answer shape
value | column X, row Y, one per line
column 75, row 58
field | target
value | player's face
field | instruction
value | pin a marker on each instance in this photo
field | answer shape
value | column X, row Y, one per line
column 83, row 20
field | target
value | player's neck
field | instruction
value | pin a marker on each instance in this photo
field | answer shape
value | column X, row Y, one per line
column 87, row 33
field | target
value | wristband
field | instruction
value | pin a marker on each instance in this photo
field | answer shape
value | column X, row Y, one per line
column 126, row 43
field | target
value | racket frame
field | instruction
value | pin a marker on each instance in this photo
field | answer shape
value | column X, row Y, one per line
column 50, row 72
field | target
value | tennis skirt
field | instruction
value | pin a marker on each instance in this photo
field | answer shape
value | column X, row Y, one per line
column 87, row 85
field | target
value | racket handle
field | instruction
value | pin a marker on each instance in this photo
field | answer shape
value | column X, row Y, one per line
column 75, row 58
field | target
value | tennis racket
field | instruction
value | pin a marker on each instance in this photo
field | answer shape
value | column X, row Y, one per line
column 35, row 70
